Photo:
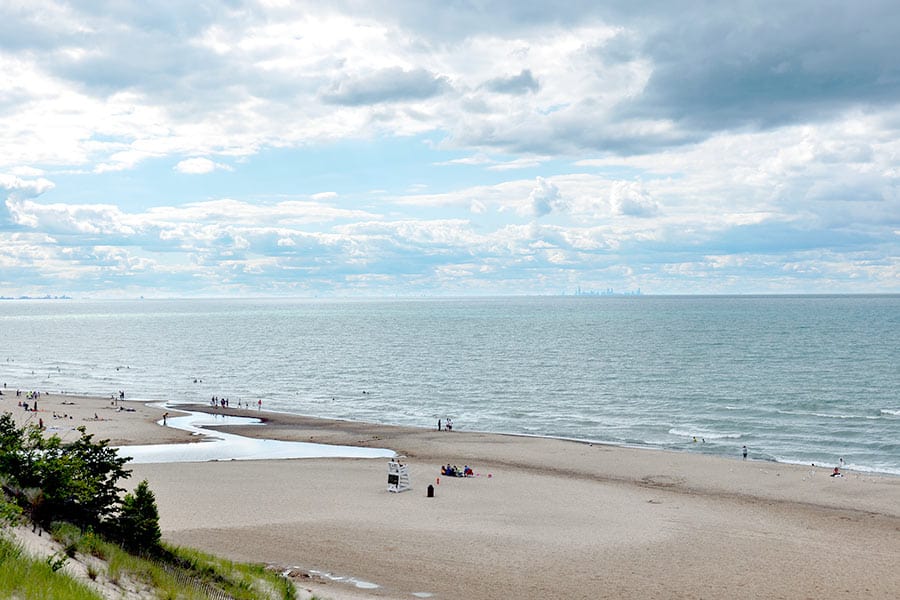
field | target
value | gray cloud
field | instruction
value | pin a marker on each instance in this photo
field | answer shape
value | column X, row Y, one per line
column 387, row 85
column 522, row 83
column 767, row 65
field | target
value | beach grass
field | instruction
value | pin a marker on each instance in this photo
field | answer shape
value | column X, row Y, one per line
column 181, row 573
column 178, row 572
column 28, row 578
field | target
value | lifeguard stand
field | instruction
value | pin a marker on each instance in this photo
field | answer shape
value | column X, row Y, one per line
column 398, row 477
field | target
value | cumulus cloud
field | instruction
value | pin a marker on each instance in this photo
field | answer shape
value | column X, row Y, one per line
column 14, row 190
column 545, row 198
column 637, row 79
column 717, row 129
column 199, row 166
column 629, row 198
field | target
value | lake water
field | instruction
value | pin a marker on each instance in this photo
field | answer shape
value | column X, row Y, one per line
column 798, row 379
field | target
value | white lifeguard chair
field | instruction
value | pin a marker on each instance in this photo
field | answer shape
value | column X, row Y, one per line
column 398, row 477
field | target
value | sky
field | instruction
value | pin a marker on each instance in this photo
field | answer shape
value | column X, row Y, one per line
column 451, row 148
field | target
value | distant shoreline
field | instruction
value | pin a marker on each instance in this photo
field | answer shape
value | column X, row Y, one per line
column 583, row 294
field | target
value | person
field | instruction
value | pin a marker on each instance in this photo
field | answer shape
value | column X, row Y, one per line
column 439, row 424
column 165, row 416
column 449, row 424
column 837, row 472
column 744, row 451
column 841, row 462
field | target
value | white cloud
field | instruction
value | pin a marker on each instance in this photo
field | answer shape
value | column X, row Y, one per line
column 545, row 198
column 631, row 199
column 13, row 191
column 798, row 178
column 26, row 171
column 199, row 166
column 495, row 165
column 15, row 187
column 324, row 196
column 518, row 163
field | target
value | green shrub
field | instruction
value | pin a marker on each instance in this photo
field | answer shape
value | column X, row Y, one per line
column 138, row 524
column 9, row 513
column 74, row 482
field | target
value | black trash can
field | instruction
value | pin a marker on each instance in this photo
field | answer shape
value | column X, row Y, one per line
column 431, row 491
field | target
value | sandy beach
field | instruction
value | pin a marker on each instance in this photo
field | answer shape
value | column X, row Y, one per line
column 543, row 518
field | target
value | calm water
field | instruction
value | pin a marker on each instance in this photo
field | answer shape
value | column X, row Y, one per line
column 796, row 379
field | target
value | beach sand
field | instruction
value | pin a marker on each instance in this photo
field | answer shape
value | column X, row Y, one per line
column 543, row 519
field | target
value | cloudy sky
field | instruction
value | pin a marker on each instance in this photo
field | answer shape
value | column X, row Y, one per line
column 365, row 148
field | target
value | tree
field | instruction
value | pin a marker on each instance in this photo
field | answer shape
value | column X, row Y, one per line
column 77, row 481
column 138, row 522
column 95, row 469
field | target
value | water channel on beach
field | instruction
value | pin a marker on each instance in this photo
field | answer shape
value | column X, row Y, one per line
column 217, row 445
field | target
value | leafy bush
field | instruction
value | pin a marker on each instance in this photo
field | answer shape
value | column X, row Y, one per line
column 9, row 513
column 54, row 481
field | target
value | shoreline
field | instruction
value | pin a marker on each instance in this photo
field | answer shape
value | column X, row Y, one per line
column 545, row 518
column 139, row 422
column 270, row 414
column 428, row 444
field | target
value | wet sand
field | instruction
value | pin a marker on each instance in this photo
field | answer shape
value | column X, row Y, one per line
column 543, row 519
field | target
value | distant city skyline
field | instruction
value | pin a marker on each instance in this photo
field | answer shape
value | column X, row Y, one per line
column 263, row 148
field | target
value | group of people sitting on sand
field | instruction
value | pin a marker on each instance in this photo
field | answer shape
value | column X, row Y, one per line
column 455, row 471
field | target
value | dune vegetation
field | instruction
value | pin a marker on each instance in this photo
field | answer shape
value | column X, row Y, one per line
column 101, row 541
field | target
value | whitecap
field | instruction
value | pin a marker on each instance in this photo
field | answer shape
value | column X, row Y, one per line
column 700, row 433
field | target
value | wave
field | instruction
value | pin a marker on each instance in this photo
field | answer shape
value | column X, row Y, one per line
column 894, row 412
column 704, row 434
column 798, row 413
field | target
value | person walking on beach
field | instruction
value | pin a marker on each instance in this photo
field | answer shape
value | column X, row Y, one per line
column 439, row 424
column 744, row 451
